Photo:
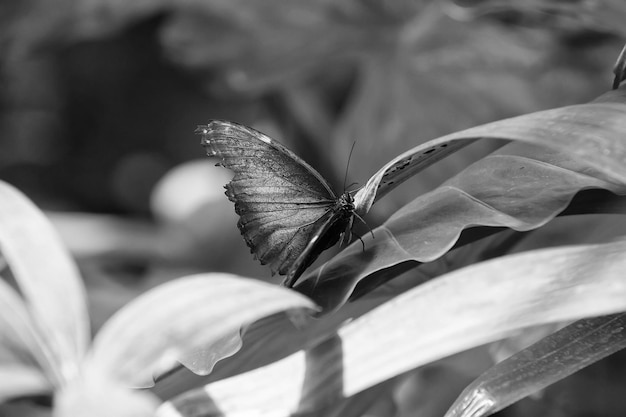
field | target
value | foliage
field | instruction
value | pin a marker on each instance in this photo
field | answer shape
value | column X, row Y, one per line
column 518, row 233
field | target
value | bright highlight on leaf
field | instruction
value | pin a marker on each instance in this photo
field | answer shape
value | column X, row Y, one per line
column 484, row 302
column 171, row 321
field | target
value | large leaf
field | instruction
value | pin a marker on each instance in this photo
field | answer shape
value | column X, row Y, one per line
column 48, row 280
column 592, row 132
column 542, row 364
column 264, row 342
column 519, row 187
column 173, row 320
column 483, row 303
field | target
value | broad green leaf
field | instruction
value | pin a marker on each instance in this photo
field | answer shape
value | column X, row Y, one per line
column 169, row 322
column 483, row 303
column 542, row 364
column 48, row 280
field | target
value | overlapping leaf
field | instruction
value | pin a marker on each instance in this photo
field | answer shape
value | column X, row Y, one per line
column 522, row 190
column 484, row 302
column 542, row 364
column 173, row 320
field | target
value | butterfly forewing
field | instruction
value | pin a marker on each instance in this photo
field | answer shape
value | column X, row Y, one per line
column 277, row 195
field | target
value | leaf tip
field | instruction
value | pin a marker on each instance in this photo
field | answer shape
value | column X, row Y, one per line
column 473, row 403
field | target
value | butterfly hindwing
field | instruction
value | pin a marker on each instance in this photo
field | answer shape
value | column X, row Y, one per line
column 278, row 197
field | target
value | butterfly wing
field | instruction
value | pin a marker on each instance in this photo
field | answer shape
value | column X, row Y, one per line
column 279, row 198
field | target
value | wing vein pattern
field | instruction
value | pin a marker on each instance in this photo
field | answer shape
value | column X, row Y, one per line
column 277, row 195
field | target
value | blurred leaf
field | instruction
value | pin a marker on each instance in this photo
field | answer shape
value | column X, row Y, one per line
column 167, row 323
column 21, row 381
column 98, row 396
column 22, row 355
column 93, row 236
column 18, row 335
column 48, row 280
column 484, row 302
column 254, row 47
column 542, row 364
column 604, row 16
column 186, row 188
column 24, row 409
column 247, row 45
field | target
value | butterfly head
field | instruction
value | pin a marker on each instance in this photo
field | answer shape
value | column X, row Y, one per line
column 346, row 202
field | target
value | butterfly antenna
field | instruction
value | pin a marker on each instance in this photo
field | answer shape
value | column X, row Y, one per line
column 352, row 184
column 345, row 177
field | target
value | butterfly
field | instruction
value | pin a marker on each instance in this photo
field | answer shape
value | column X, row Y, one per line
column 288, row 213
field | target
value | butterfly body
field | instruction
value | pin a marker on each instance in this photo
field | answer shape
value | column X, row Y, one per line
column 327, row 230
column 288, row 213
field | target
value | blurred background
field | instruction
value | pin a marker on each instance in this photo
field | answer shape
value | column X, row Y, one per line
column 99, row 100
